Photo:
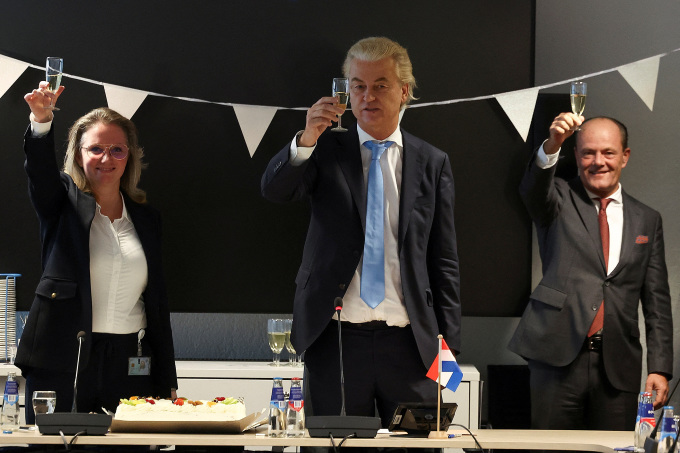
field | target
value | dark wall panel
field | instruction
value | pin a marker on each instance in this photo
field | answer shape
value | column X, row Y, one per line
column 226, row 248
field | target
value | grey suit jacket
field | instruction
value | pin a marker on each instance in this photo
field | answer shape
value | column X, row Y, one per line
column 333, row 181
column 575, row 281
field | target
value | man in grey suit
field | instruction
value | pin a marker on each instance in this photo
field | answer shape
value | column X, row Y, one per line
column 602, row 253
column 390, row 340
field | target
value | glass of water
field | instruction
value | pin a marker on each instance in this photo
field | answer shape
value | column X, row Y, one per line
column 12, row 352
column 44, row 401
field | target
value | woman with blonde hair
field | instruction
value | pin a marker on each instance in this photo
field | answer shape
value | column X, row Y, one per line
column 102, row 282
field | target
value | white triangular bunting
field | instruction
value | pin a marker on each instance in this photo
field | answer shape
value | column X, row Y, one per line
column 124, row 100
column 10, row 70
column 519, row 106
column 254, row 121
column 642, row 76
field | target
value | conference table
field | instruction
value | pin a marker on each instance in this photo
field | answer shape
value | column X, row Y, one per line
column 598, row 441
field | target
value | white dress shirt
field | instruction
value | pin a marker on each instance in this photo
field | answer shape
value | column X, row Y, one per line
column 614, row 210
column 392, row 309
column 118, row 268
column 118, row 273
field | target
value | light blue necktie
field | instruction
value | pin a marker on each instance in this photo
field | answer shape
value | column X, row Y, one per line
column 373, row 268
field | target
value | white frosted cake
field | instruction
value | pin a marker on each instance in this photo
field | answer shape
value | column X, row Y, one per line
column 181, row 409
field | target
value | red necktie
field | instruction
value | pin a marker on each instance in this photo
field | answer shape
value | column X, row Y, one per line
column 598, row 322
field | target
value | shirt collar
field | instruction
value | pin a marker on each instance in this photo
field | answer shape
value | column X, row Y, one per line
column 617, row 196
column 394, row 137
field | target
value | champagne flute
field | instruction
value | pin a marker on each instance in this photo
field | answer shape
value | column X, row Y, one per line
column 577, row 94
column 54, row 67
column 341, row 91
column 287, row 326
column 277, row 338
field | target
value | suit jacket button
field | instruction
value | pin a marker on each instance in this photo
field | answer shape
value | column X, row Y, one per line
column 54, row 295
column 594, row 307
column 342, row 286
column 606, row 283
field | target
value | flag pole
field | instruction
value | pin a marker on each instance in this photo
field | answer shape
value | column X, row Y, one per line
column 438, row 434
column 439, row 381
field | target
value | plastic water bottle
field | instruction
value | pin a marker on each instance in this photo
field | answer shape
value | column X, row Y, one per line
column 645, row 422
column 277, row 408
column 636, row 430
column 668, row 431
column 10, row 405
column 295, row 411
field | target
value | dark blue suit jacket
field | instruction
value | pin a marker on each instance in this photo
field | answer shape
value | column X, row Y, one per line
column 333, row 180
column 63, row 301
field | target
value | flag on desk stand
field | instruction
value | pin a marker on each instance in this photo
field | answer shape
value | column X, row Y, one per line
column 447, row 373
column 445, row 365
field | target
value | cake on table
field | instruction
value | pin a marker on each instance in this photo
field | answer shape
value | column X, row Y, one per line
column 180, row 409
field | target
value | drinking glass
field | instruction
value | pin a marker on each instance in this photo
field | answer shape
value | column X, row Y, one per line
column 54, row 67
column 287, row 327
column 577, row 95
column 12, row 352
column 44, row 401
column 277, row 338
column 341, row 91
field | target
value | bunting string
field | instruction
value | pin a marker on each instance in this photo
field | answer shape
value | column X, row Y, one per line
column 542, row 87
column 254, row 120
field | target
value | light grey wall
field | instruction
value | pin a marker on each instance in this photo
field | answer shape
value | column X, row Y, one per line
column 584, row 37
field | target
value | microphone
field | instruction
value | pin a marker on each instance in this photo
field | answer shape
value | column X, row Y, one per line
column 343, row 425
column 72, row 423
column 80, row 336
column 338, row 309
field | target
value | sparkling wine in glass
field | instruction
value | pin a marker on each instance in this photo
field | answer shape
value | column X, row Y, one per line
column 54, row 67
column 341, row 91
column 277, row 338
column 292, row 357
column 577, row 94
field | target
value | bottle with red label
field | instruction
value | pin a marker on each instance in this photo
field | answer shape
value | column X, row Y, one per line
column 295, row 411
column 645, row 422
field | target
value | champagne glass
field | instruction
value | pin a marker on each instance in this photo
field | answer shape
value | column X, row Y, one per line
column 341, row 91
column 292, row 358
column 577, row 94
column 54, row 67
column 277, row 338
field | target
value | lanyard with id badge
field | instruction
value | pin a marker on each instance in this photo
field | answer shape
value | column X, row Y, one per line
column 140, row 365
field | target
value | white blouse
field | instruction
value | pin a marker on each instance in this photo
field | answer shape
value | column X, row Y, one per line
column 118, row 273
